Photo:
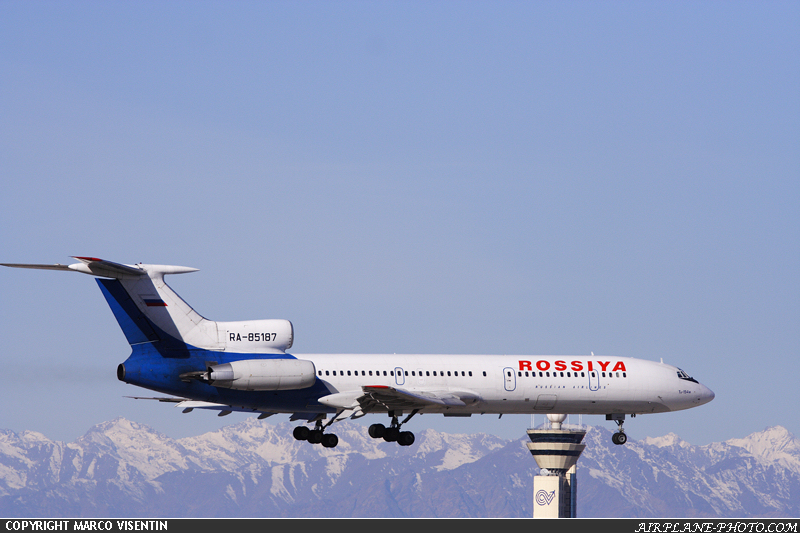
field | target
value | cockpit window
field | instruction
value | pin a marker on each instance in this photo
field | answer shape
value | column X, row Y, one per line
column 684, row 375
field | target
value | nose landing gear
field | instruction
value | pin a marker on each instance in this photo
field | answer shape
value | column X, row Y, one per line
column 619, row 437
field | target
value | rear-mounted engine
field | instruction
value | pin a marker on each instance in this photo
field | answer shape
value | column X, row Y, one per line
column 258, row 374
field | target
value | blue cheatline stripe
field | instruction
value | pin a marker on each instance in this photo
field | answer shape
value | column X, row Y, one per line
column 134, row 324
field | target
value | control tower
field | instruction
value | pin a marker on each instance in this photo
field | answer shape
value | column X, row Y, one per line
column 556, row 451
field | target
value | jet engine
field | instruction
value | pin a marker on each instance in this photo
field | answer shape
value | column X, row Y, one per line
column 262, row 374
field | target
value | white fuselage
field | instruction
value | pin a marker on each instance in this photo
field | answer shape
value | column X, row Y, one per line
column 245, row 366
column 519, row 384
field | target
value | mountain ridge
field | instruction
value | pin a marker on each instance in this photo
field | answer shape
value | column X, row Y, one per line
column 256, row 468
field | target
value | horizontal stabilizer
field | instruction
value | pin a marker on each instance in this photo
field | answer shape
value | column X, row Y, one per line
column 189, row 405
column 160, row 399
column 38, row 267
column 108, row 269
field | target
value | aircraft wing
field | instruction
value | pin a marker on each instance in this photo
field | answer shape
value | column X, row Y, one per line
column 381, row 397
column 393, row 398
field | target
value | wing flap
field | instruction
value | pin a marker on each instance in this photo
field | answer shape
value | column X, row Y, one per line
column 394, row 399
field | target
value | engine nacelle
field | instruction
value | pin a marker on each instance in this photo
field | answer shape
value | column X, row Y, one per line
column 263, row 374
column 256, row 336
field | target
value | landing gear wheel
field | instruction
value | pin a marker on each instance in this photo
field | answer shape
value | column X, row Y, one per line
column 376, row 431
column 315, row 436
column 329, row 440
column 619, row 437
column 391, row 434
column 405, row 438
column 301, row 433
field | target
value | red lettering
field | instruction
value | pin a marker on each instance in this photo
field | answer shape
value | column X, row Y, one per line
column 525, row 365
column 619, row 366
column 590, row 366
column 576, row 365
column 542, row 365
column 561, row 365
column 603, row 365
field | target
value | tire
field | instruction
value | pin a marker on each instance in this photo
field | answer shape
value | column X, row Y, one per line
column 301, row 433
column 622, row 438
column 329, row 440
column 405, row 438
column 315, row 436
column 390, row 435
column 376, row 431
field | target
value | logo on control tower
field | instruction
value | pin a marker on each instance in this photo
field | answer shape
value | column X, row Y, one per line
column 544, row 498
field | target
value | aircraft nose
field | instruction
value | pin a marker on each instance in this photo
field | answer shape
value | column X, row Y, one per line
column 705, row 395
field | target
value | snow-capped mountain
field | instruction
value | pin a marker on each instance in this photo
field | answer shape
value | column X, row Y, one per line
column 256, row 468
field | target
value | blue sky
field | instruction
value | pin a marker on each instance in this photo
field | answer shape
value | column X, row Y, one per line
column 620, row 178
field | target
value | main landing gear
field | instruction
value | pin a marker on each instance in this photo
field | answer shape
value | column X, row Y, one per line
column 619, row 437
column 393, row 433
column 316, row 435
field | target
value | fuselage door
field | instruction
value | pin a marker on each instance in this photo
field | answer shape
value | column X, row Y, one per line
column 399, row 376
column 509, row 378
column 594, row 380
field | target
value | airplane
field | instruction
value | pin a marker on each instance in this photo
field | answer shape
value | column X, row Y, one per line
column 245, row 367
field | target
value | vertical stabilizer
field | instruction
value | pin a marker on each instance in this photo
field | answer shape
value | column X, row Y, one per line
column 149, row 311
